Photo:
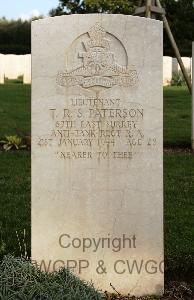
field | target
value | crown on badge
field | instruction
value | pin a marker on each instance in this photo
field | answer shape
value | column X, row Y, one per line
column 97, row 36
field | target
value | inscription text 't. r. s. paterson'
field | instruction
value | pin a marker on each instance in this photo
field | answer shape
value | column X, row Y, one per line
column 99, row 68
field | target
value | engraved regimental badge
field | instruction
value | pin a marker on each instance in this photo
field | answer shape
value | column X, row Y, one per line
column 99, row 67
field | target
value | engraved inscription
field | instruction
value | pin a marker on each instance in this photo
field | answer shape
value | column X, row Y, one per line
column 97, row 128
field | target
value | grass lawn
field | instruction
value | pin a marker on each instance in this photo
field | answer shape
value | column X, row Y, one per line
column 15, row 108
column 15, row 205
column 178, row 180
column 179, row 216
column 177, row 116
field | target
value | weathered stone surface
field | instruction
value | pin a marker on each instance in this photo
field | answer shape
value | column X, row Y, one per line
column 97, row 167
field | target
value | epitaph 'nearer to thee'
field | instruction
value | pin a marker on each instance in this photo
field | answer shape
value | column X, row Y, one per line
column 97, row 159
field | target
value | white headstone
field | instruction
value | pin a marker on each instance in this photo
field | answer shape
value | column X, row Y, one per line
column 12, row 66
column 97, row 149
column 192, row 121
column 167, row 70
column 175, row 65
column 27, row 69
column 186, row 61
column 2, row 68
